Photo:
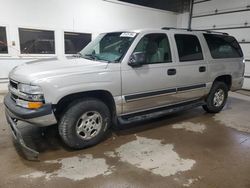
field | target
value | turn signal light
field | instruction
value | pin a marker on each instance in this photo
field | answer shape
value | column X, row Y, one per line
column 29, row 104
column 34, row 105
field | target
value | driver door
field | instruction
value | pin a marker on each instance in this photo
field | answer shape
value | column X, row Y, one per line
column 153, row 83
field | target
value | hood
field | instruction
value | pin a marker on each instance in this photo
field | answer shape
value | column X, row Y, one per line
column 44, row 69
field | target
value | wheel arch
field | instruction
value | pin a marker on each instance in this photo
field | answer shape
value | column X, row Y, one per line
column 227, row 79
column 102, row 95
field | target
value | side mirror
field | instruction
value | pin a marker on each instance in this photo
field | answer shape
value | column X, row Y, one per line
column 137, row 59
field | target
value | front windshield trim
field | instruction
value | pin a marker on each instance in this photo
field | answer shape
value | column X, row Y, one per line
column 121, row 58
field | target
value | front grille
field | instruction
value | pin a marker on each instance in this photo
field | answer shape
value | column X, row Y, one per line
column 14, row 97
column 13, row 84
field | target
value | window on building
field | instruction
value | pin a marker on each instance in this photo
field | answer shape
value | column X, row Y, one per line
column 155, row 47
column 75, row 42
column 223, row 46
column 34, row 41
column 3, row 41
column 189, row 48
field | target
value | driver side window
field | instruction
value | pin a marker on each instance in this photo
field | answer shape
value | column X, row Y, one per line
column 155, row 47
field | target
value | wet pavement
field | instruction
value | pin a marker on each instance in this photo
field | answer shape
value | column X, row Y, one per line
column 187, row 149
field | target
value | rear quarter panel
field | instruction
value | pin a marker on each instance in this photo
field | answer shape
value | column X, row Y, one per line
column 228, row 66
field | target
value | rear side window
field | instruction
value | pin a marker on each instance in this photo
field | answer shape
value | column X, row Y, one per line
column 189, row 47
column 223, row 46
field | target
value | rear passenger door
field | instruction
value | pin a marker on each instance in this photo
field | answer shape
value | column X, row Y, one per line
column 192, row 67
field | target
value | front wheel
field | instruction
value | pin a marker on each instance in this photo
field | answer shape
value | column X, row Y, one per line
column 217, row 98
column 84, row 123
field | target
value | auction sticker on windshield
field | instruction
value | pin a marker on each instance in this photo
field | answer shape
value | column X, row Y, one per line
column 132, row 35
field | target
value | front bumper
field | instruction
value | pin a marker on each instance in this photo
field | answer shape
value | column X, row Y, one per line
column 41, row 117
column 29, row 153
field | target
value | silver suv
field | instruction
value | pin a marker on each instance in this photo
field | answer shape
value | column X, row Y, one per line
column 124, row 77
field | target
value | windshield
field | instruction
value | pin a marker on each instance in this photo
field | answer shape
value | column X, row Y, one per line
column 110, row 47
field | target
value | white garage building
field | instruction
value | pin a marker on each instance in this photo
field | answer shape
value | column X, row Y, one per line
column 39, row 33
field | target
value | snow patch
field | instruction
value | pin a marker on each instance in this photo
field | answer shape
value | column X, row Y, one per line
column 189, row 126
column 75, row 168
column 235, row 120
column 153, row 156
column 190, row 182
column 38, row 174
column 110, row 154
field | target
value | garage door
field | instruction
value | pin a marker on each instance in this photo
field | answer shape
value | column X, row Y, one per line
column 228, row 16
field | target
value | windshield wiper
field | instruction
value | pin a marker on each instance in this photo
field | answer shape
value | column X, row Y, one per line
column 90, row 56
column 78, row 55
column 93, row 57
column 86, row 56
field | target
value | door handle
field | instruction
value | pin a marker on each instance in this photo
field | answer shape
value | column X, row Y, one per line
column 202, row 69
column 171, row 72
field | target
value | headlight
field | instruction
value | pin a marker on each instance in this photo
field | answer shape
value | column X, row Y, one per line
column 29, row 89
column 29, row 96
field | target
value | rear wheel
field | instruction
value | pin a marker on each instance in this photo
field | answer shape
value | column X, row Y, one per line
column 84, row 123
column 217, row 98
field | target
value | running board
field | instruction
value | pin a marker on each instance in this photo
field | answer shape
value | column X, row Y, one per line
column 159, row 112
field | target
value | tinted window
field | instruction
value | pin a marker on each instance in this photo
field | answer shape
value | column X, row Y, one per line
column 3, row 41
column 223, row 46
column 189, row 48
column 33, row 41
column 75, row 42
column 155, row 47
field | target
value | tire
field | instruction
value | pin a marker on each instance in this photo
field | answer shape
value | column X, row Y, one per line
column 217, row 98
column 85, row 123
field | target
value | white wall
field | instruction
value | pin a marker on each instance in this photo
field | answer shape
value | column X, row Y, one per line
column 90, row 16
column 226, row 20
column 183, row 20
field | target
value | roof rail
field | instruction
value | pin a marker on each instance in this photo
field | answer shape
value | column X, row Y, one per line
column 186, row 29
column 168, row 28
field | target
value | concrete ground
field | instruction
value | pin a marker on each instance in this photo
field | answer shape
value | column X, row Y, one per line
column 187, row 149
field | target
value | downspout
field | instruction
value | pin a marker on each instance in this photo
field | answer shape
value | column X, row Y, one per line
column 190, row 14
